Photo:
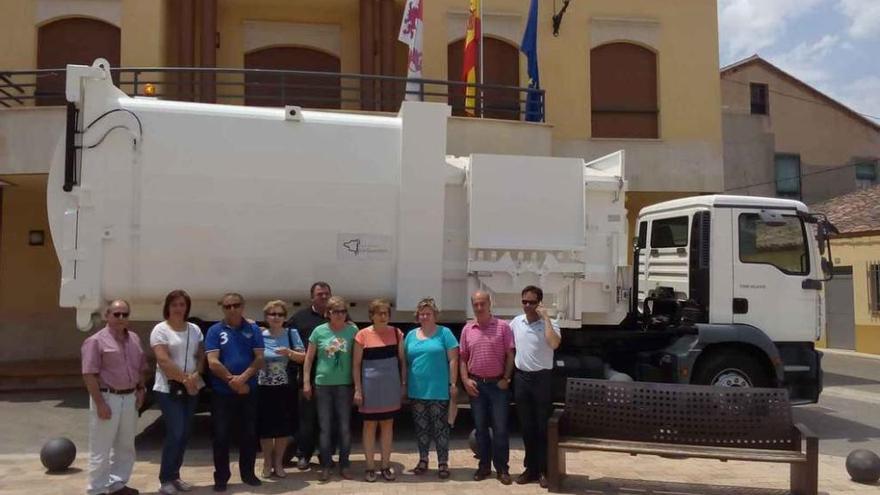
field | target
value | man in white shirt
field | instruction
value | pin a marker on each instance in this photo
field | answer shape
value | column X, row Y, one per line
column 536, row 337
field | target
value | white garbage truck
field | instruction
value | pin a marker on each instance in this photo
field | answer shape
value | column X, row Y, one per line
column 147, row 195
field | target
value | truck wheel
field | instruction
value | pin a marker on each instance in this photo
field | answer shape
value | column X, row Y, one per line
column 731, row 369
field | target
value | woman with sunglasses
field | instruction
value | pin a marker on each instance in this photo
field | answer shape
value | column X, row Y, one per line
column 276, row 405
column 177, row 345
column 331, row 346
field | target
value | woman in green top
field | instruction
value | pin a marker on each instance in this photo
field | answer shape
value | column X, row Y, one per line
column 331, row 347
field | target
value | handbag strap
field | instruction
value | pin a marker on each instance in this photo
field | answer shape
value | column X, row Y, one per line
column 186, row 354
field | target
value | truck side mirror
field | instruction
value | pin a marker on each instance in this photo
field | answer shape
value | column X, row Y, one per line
column 827, row 267
column 824, row 230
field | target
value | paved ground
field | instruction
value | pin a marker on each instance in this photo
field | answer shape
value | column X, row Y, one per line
column 846, row 418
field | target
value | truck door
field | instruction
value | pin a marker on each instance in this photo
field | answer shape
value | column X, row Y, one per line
column 664, row 262
column 642, row 262
column 770, row 263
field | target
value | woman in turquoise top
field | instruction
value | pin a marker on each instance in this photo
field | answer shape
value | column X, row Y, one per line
column 332, row 346
column 432, row 364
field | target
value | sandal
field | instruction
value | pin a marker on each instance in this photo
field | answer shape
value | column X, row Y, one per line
column 267, row 471
column 370, row 475
column 388, row 474
column 421, row 467
column 443, row 471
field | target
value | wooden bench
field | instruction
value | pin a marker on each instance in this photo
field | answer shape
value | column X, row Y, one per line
column 682, row 421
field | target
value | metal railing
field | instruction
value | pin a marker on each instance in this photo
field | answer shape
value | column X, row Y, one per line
column 873, row 269
column 266, row 87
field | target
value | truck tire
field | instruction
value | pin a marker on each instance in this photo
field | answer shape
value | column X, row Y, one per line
column 731, row 368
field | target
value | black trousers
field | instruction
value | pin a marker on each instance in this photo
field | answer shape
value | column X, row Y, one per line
column 534, row 405
column 228, row 413
column 307, row 428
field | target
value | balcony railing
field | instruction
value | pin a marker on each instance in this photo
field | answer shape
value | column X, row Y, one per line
column 264, row 87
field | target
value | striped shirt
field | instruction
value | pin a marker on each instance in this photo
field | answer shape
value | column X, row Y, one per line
column 484, row 348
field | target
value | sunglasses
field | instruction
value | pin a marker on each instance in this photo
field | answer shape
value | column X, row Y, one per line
column 120, row 315
column 232, row 306
column 530, row 303
column 277, row 315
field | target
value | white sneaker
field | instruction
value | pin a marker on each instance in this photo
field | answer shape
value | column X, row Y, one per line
column 182, row 486
column 168, row 489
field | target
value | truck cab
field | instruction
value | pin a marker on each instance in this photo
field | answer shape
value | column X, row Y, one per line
column 747, row 272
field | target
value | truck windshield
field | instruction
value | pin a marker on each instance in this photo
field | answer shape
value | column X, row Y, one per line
column 782, row 246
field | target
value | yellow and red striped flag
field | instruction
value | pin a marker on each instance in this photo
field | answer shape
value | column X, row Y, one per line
column 471, row 51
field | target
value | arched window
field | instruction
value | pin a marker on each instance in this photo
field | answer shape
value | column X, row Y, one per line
column 502, row 67
column 306, row 91
column 74, row 40
column 623, row 91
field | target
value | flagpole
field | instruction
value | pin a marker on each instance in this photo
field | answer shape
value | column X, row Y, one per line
column 482, row 101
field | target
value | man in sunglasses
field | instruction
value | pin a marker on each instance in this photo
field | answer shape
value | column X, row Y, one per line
column 234, row 348
column 113, row 366
column 536, row 337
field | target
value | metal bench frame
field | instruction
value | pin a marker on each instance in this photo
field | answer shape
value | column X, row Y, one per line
column 682, row 421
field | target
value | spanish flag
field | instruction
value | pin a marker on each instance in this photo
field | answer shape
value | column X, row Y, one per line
column 471, row 50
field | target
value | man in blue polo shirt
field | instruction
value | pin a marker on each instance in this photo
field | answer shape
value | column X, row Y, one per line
column 234, row 348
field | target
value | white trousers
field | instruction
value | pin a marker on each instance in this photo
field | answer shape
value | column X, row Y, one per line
column 111, row 444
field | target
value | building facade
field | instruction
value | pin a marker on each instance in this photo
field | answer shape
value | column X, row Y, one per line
column 853, row 295
column 783, row 138
column 620, row 74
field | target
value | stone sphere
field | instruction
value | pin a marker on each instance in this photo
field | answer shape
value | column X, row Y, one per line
column 58, row 454
column 863, row 466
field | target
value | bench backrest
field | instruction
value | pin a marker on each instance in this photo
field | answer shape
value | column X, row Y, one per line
column 680, row 414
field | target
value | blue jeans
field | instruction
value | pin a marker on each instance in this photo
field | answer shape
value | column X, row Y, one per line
column 491, row 408
column 177, row 414
column 334, row 416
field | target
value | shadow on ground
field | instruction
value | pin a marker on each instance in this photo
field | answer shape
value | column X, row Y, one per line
column 828, row 425
column 836, row 380
column 581, row 484
column 149, row 442
column 66, row 398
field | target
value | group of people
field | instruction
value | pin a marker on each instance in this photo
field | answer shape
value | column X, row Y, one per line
column 302, row 374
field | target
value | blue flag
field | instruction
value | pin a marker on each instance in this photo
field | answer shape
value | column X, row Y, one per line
column 529, row 46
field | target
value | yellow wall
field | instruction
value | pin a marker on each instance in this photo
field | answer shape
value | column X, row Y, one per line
column 143, row 33
column 17, row 30
column 858, row 252
column 689, row 93
column 29, row 275
column 232, row 13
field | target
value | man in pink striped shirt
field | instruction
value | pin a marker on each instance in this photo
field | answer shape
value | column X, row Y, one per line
column 486, row 367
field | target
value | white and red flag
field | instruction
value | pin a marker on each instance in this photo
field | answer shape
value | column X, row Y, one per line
column 411, row 34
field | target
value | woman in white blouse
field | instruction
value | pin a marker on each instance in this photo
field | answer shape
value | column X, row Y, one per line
column 177, row 345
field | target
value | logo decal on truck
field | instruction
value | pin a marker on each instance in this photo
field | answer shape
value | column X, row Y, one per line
column 363, row 247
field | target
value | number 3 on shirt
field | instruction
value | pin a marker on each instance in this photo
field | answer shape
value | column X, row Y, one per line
column 224, row 338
